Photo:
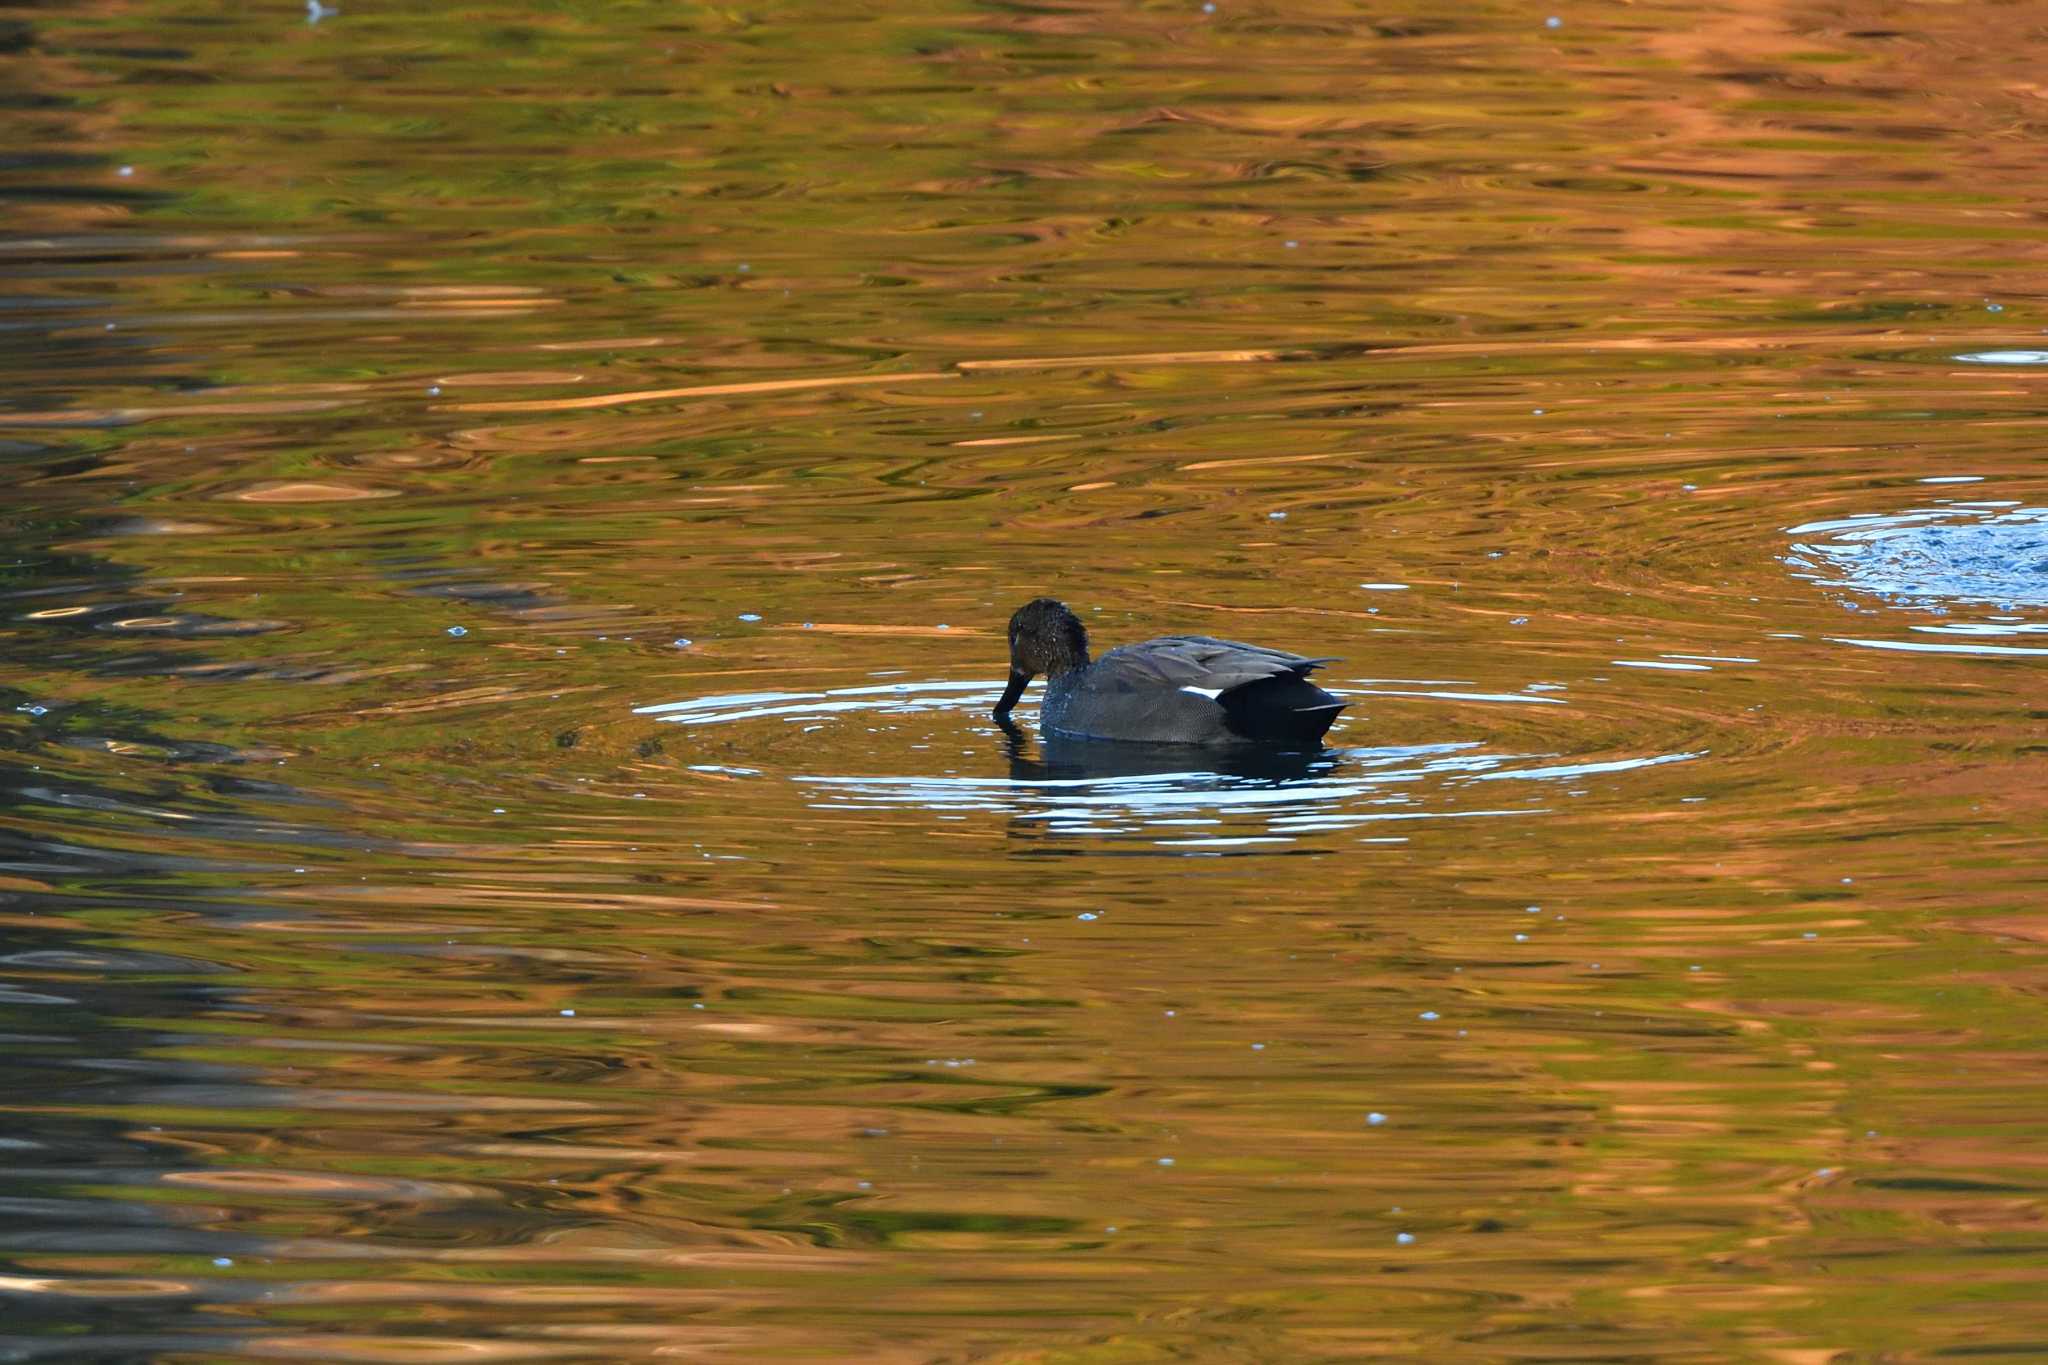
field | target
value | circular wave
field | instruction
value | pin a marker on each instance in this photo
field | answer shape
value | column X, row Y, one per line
column 1171, row 797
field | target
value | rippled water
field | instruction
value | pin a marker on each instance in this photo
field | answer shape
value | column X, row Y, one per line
column 512, row 517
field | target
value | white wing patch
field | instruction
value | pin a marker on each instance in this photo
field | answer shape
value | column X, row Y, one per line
column 1212, row 693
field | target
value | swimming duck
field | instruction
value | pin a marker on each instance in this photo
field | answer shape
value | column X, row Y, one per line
column 1178, row 689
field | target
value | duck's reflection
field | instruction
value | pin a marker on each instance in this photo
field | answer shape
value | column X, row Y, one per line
column 1054, row 758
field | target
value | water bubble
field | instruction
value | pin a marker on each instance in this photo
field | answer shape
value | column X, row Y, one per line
column 1292, row 245
column 125, row 171
column 1518, row 621
column 750, row 616
column 34, row 709
column 1088, row 915
column 1276, row 516
column 568, row 1014
column 1258, row 1047
column 1809, row 934
column 458, row 631
column 223, row 1260
column 1521, row 938
column 1428, row 1015
column 681, row 642
column 1404, row 1239
column 1375, row 1118
column 1166, row 1161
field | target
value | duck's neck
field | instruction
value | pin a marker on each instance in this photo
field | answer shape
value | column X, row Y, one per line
column 1062, row 679
column 1069, row 651
column 1067, row 667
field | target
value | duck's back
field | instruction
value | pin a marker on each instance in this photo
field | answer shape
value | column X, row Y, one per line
column 1204, row 662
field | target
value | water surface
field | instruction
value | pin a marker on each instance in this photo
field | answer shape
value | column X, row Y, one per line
column 512, row 517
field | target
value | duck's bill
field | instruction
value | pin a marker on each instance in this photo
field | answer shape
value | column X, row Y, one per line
column 1019, row 680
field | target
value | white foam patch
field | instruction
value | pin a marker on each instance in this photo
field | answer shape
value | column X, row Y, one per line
column 2014, row 357
column 1919, row 647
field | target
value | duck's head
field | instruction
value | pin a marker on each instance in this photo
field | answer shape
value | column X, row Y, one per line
column 1044, row 638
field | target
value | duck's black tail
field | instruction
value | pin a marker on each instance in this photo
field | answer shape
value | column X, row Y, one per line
column 1288, row 710
column 1315, row 720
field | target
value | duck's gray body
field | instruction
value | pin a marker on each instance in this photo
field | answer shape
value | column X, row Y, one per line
column 1179, row 689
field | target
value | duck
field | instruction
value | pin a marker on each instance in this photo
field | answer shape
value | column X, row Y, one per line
column 1177, row 689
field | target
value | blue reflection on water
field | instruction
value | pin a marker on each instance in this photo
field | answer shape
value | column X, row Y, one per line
column 1979, row 552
